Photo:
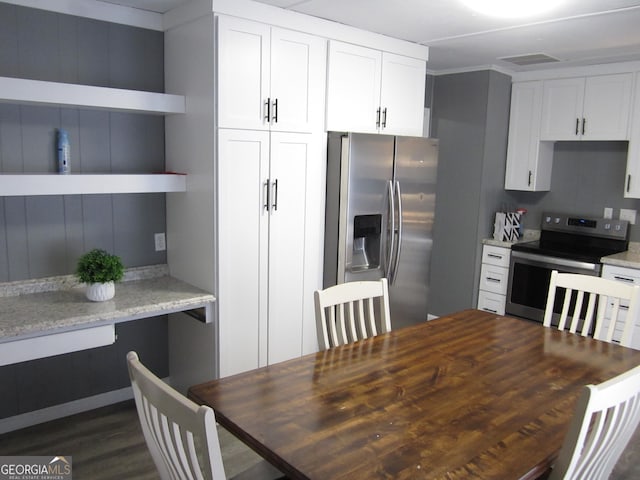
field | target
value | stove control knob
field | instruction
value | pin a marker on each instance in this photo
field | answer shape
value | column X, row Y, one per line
column 618, row 227
column 607, row 226
column 556, row 220
column 547, row 219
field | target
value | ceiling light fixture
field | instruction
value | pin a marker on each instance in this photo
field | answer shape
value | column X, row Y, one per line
column 512, row 8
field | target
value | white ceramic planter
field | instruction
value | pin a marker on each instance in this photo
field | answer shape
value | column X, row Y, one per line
column 99, row 292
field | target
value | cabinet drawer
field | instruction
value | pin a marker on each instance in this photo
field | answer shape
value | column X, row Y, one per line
column 491, row 302
column 622, row 274
column 56, row 344
column 494, row 279
column 498, row 256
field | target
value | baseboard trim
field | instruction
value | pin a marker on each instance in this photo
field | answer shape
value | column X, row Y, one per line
column 55, row 412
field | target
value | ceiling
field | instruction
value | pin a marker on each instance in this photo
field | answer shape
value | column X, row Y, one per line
column 578, row 32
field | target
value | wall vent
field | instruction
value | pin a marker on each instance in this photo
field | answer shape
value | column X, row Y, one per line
column 530, row 59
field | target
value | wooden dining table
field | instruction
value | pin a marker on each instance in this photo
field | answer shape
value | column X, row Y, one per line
column 467, row 395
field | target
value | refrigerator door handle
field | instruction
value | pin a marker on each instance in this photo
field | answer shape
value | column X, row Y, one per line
column 391, row 227
column 396, row 261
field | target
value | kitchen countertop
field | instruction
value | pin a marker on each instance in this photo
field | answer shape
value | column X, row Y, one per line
column 629, row 259
column 57, row 304
column 528, row 236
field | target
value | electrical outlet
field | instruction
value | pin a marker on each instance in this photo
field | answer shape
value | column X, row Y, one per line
column 161, row 242
column 628, row 214
column 608, row 212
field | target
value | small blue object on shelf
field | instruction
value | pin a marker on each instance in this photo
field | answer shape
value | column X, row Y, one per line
column 63, row 152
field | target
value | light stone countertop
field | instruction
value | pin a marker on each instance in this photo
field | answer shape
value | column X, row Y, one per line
column 528, row 236
column 629, row 259
column 57, row 304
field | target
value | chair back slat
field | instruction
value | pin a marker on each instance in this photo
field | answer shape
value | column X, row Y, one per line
column 605, row 419
column 361, row 301
column 597, row 301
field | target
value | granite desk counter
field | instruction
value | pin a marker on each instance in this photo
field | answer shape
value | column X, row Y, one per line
column 40, row 318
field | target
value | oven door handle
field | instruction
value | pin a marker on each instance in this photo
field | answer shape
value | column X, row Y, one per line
column 555, row 261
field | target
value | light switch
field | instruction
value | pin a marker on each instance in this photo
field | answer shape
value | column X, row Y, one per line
column 628, row 214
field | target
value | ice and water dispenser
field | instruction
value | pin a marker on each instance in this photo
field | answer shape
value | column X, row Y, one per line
column 366, row 242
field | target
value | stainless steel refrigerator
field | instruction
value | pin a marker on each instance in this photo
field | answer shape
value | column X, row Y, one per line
column 381, row 193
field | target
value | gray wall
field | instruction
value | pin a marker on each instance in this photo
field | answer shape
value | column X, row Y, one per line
column 470, row 116
column 44, row 235
column 586, row 177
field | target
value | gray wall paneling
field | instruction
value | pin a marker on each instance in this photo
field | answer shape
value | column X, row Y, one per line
column 586, row 177
column 470, row 116
column 44, row 236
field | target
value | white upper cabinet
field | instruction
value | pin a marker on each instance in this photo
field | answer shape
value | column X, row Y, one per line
column 402, row 94
column 529, row 161
column 591, row 108
column 632, row 179
column 371, row 91
column 269, row 78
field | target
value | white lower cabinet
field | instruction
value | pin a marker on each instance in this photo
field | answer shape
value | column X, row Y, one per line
column 629, row 276
column 270, row 239
column 494, row 275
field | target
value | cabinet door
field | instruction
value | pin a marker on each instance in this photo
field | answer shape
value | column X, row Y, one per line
column 607, row 106
column 243, row 160
column 627, row 276
column 298, row 72
column 562, row 102
column 402, row 95
column 290, row 155
column 243, row 73
column 529, row 161
column 632, row 179
column 353, row 88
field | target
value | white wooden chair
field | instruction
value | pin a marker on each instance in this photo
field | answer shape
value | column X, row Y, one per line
column 608, row 293
column 182, row 437
column 347, row 312
column 175, row 428
column 605, row 418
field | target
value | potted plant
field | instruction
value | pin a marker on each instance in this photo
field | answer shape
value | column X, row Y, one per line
column 99, row 270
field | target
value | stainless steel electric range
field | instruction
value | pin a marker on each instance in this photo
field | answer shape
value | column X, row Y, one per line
column 568, row 243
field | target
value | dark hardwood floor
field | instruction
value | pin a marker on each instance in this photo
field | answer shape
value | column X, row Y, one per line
column 107, row 443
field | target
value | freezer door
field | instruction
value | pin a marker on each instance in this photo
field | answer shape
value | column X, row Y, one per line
column 366, row 173
column 415, row 187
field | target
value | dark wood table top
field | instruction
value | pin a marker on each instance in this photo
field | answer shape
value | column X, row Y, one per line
column 469, row 395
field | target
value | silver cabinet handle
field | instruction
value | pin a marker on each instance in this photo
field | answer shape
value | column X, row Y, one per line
column 267, row 115
column 378, row 118
column 623, row 279
column 275, row 195
column 266, row 195
column 493, row 255
column 384, row 117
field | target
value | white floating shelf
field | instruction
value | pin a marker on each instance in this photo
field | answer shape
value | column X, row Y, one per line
column 37, row 92
column 12, row 185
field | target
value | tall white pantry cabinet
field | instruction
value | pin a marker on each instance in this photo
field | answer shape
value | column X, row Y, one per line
column 250, row 227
